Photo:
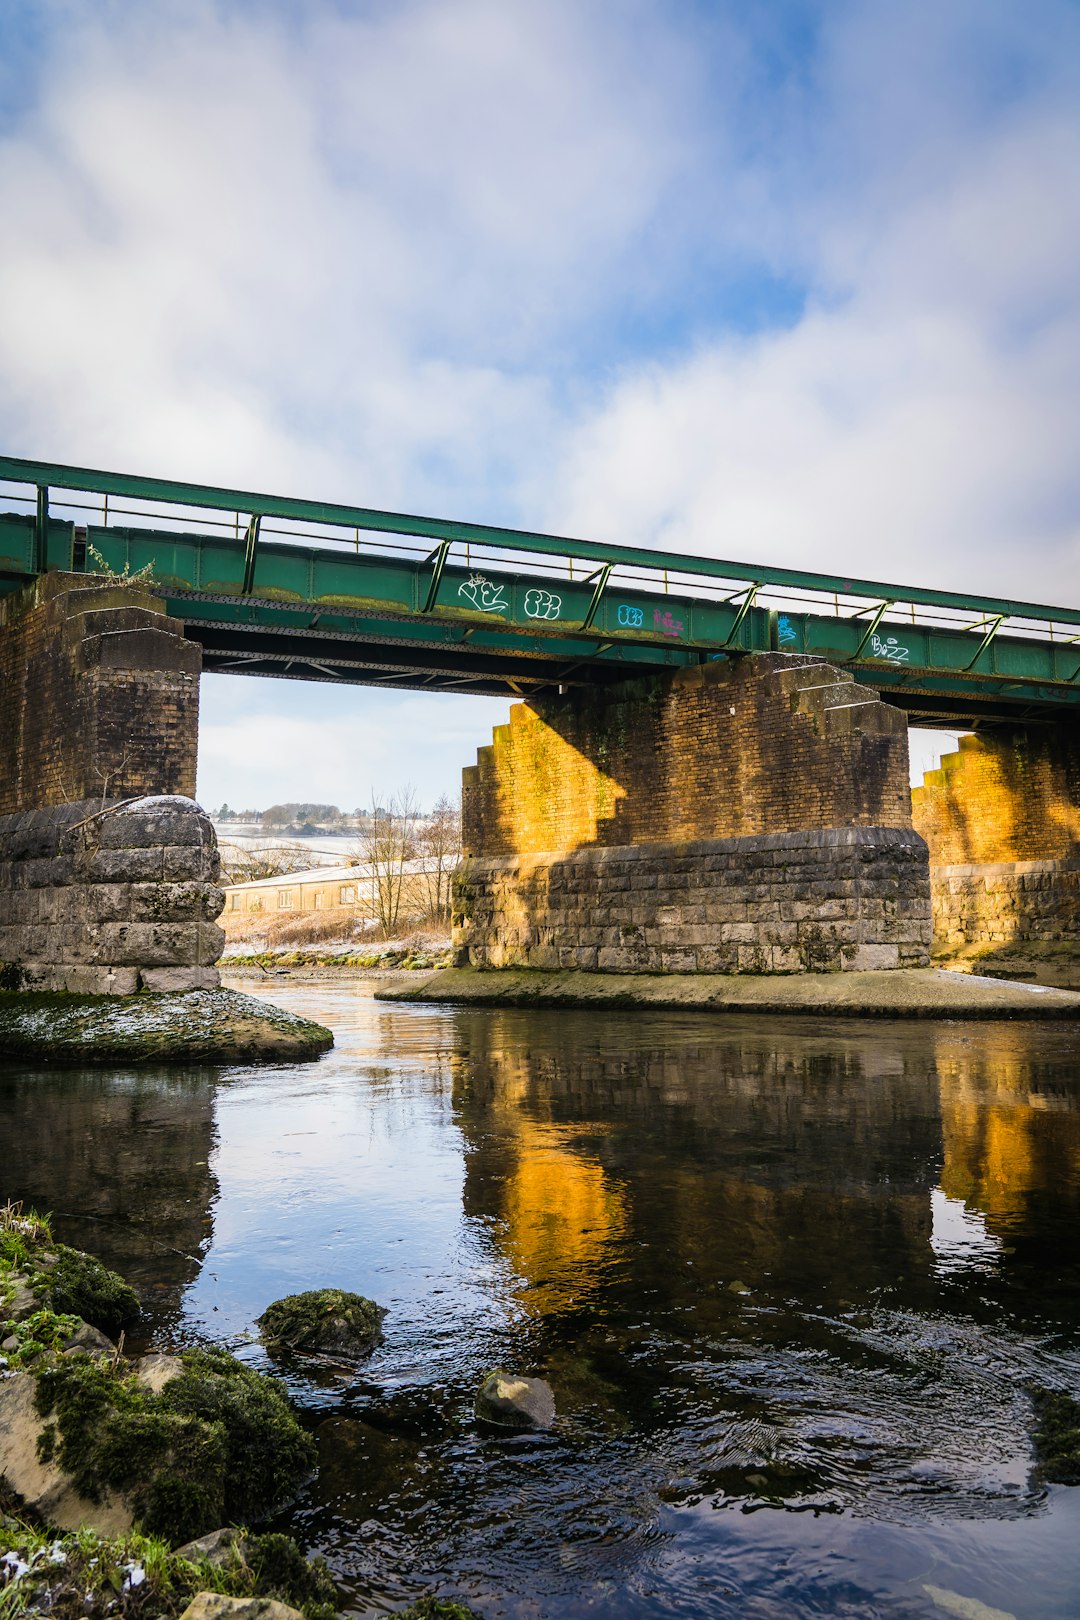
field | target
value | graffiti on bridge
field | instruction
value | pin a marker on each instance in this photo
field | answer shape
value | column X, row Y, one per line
column 541, row 604
column 484, row 594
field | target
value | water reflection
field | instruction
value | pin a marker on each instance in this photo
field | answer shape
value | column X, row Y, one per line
column 123, row 1162
column 825, row 1163
column 790, row 1281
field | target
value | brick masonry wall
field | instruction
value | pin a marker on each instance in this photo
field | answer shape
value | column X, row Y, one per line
column 99, row 694
column 837, row 898
column 742, row 817
column 1001, row 818
column 1006, row 902
column 1007, row 795
column 109, row 901
column 764, row 744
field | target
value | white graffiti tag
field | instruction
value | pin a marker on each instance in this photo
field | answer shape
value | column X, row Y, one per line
column 484, row 595
column 890, row 649
column 542, row 604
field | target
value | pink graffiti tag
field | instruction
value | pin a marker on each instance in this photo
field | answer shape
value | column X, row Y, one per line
column 666, row 625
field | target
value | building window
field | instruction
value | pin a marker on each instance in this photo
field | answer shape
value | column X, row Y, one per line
column 255, row 902
column 285, row 899
column 234, row 902
column 318, row 899
column 348, row 897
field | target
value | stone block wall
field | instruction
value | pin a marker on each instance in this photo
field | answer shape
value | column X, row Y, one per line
column 1012, row 794
column 1001, row 818
column 99, row 694
column 764, row 744
column 1006, row 902
column 851, row 897
column 110, row 900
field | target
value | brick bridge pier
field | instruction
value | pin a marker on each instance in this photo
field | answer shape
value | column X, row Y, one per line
column 755, row 816
column 108, row 869
column 743, row 815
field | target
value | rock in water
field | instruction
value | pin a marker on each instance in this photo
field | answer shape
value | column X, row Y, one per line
column 514, row 1402
column 87, row 1341
column 324, row 1321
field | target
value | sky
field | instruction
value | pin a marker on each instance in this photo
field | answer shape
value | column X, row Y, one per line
column 784, row 282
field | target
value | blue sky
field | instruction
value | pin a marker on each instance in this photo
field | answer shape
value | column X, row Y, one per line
column 795, row 283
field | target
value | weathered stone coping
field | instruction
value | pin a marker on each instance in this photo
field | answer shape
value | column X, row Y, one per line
column 196, row 1026
column 915, row 993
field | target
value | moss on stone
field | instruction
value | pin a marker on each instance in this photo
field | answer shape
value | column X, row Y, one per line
column 269, row 1454
column 218, row 1443
column 1057, row 1437
column 79, row 1285
column 280, row 1570
column 327, row 1321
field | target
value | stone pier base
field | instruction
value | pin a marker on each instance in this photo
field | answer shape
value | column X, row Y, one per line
column 110, row 900
column 999, row 903
column 811, row 901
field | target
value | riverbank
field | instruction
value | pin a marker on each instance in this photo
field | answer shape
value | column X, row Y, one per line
column 912, row 993
column 192, row 1026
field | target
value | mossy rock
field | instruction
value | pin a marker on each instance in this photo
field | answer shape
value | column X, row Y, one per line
column 219, row 1443
column 79, row 1285
column 324, row 1321
column 1057, row 1438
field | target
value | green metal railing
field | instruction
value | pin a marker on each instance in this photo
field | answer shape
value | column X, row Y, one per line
column 280, row 566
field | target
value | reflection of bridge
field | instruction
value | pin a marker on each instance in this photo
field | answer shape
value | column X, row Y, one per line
column 317, row 591
column 703, row 776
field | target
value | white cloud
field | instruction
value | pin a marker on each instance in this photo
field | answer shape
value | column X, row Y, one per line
column 916, row 423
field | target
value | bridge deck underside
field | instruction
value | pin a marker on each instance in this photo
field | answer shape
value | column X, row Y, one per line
column 382, row 654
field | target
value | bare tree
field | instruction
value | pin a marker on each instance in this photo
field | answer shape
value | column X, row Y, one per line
column 387, row 843
column 439, row 845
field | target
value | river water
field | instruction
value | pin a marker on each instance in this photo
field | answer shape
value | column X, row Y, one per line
column 791, row 1282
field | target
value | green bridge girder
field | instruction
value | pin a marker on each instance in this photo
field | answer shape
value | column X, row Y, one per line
column 478, row 609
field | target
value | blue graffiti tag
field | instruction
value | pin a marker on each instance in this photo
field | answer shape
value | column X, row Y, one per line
column 786, row 630
column 631, row 617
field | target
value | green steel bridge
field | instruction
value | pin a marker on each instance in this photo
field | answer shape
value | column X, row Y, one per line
column 318, row 591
